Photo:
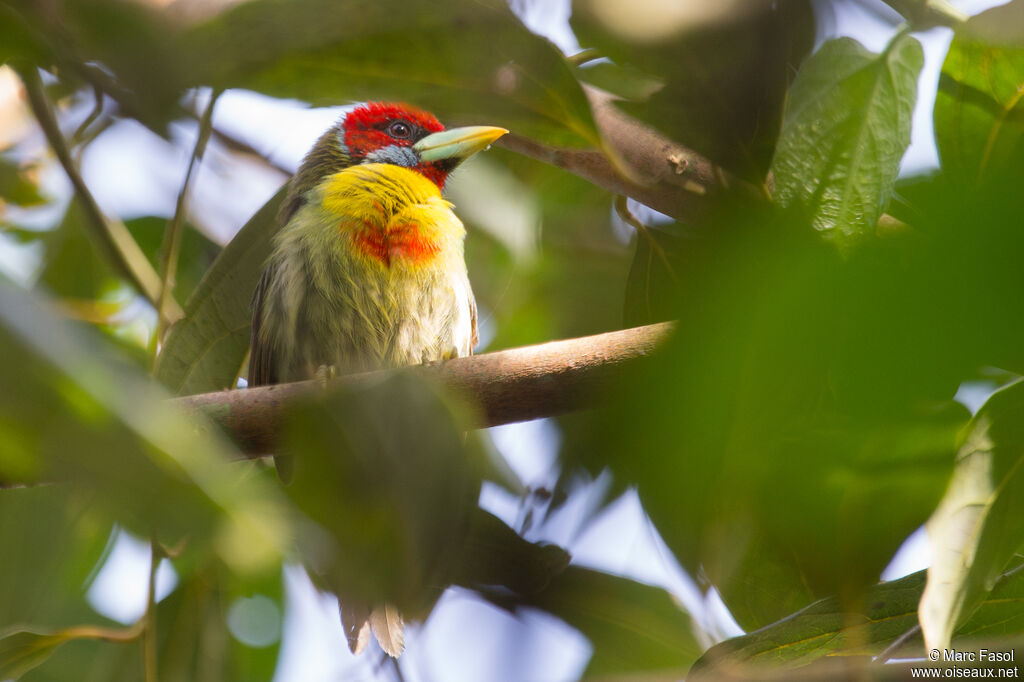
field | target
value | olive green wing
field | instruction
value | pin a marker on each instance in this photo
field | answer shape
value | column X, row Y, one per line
column 262, row 364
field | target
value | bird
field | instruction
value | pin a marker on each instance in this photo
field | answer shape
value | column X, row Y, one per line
column 367, row 271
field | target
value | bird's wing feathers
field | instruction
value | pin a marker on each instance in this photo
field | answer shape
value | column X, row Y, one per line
column 474, row 337
column 262, row 365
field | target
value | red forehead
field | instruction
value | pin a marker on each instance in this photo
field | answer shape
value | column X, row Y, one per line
column 372, row 114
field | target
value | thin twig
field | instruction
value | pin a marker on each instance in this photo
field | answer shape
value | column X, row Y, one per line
column 149, row 642
column 104, row 634
column 622, row 208
column 115, row 241
column 584, row 56
column 97, row 109
column 173, row 234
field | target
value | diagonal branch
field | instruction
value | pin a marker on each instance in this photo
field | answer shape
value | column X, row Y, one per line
column 116, row 243
column 508, row 386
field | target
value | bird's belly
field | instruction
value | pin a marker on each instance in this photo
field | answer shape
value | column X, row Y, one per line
column 385, row 321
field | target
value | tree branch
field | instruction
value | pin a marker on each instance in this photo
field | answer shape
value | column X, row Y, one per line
column 640, row 163
column 508, row 386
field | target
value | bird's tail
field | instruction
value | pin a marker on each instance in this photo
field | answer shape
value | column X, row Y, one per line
column 386, row 623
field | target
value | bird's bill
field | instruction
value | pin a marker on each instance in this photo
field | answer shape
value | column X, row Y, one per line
column 457, row 143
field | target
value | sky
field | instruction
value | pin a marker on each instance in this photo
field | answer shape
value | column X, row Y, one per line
column 135, row 173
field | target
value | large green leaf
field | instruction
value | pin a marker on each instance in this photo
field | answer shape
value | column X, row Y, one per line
column 825, row 628
column 199, row 622
column 204, row 351
column 636, row 629
column 845, row 131
column 474, row 61
column 60, row 535
column 84, row 416
column 774, row 464
column 385, row 472
column 979, row 111
column 979, row 525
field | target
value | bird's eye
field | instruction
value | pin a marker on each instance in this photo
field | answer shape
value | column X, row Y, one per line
column 399, row 130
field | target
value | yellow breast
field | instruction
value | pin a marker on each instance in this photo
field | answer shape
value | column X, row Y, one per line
column 391, row 214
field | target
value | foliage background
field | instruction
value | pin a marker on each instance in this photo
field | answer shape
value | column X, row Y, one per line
column 798, row 426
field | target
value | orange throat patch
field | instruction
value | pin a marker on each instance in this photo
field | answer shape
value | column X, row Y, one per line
column 397, row 242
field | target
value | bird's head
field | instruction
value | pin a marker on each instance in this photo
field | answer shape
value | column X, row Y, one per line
column 388, row 132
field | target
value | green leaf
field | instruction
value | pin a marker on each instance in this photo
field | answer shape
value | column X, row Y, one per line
column 22, row 650
column 196, row 626
column 636, row 629
column 195, row 257
column 979, row 525
column 60, row 535
column 84, row 416
column 16, row 187
column 979, row 112
column 204, row 351
column 72, row 266
column 774, row 465
column 845, row 131
column 384, row 470
column 725, row 103
column 826, row 628
column 473, row 62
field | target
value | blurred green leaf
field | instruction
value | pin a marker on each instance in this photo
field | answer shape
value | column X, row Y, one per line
column 772, row 464
column 636, row 629
column 130, row 39
column 82, row 415
column 846, row 128
column 204, row 351
column 72, row 267
column 1001, row 611
column 495, row 555
column 826, row 628
column 195, row 621
column 16, row 187
column 979, row 115
column 385, row 472
column 724, row 82
column 979, row 525
column 17, row 39
column 23, row 650
column 196, row 256
column 59, row 535
column 473, row 62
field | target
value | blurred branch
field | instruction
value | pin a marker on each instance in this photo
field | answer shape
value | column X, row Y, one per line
column 507, row 386
column 114, row 240
column 172, row 235
column 925, row 14
column 149, row 640
column 641, row 163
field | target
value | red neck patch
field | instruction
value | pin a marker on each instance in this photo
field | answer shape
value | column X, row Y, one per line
column 401, row 242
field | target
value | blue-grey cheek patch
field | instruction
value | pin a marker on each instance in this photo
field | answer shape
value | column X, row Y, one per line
column 394, row 154
column 341, row 142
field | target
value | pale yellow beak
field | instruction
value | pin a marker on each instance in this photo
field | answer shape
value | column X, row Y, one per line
column 458, row 143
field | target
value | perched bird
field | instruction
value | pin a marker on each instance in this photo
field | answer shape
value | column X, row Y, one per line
column 367, row 270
